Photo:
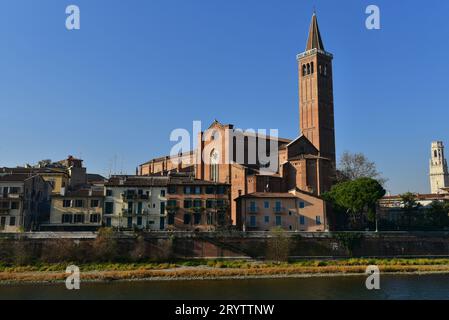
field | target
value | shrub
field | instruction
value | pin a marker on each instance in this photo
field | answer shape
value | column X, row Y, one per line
column 58, row 250
column 139, row 252
column 278, row 246
column 105, row 245
column 22, row 253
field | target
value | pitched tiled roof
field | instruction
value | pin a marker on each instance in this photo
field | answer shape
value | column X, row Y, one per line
column 193, row 182
column 16, row 177
column 137, row 181
column 21, row 170
column 82, row 193
column 93, row 177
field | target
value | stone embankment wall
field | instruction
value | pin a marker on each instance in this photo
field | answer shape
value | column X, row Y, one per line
column 181, row 245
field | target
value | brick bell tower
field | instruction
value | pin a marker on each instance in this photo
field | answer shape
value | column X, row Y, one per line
column 316, row 102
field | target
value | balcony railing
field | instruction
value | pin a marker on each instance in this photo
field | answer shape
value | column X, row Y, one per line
column 253, row 209
column 10, row 195
column 134, row 196
column 279, row 210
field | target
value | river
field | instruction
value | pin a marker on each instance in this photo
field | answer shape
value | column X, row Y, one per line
column 434, row 286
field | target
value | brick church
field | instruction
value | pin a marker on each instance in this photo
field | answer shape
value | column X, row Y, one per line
column 305, row 165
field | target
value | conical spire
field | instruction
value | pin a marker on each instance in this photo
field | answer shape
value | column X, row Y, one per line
column 314, row 41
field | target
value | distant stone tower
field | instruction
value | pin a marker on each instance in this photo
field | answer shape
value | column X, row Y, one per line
column 439, row 175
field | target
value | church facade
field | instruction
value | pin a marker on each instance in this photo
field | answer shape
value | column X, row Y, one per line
column 305, row 164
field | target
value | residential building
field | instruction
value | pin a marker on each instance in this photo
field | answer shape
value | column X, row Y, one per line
column 194, row 204
column 76, row 210
column 58, row 178
column 291, row 211
column 135, row 202
column 62, row 175
column 24, row 202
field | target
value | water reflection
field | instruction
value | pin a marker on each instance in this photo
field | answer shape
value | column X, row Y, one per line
column 333, row 288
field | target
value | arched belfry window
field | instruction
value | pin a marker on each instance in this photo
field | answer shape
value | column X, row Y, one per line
column 304, row 69
column 214, row 165
column 311, row 67
column 435, row 154
column 308, row 68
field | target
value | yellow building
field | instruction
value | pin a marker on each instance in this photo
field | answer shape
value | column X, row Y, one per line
column 76, row 210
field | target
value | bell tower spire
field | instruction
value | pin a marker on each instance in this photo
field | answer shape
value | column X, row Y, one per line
column 314, row 40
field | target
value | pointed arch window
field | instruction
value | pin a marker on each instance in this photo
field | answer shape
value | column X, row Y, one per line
column 214, row 165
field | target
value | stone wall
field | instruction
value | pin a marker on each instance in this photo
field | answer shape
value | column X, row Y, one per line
column 166, row 246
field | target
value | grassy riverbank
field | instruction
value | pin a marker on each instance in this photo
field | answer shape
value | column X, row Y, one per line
column 216, row 269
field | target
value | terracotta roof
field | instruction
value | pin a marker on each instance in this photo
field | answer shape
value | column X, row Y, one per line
column 93, row 177
column 83, row 193
column 17, row 177
column 168, row 157
column 137, row 181
column 193, row 182
column 21, row 170
column 419, row 197
column 306, row 193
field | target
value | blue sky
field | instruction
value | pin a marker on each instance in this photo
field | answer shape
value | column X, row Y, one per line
column 139, row 69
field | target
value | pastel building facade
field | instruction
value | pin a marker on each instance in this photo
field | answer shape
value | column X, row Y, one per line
column 24, row 202
column 78, row 210
column 135, row 202
column 291, row 211
column 197, row 205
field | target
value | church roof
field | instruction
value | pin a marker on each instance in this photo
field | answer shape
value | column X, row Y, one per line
column 314, row 41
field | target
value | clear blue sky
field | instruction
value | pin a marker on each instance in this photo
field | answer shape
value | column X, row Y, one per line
column 138, row 69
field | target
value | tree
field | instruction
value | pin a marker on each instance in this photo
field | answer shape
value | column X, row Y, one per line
column 356, row 198
column 139, row 252
column 355, row 166
column 105, row 246
column 278, row 246
column 410, row 205
column 437, row 215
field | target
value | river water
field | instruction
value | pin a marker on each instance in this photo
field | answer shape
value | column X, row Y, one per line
column 334, row 288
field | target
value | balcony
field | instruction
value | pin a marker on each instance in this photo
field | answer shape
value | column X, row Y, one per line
column 10, row 195
column 279, row 210
column 134, row 196
column 253, row 209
